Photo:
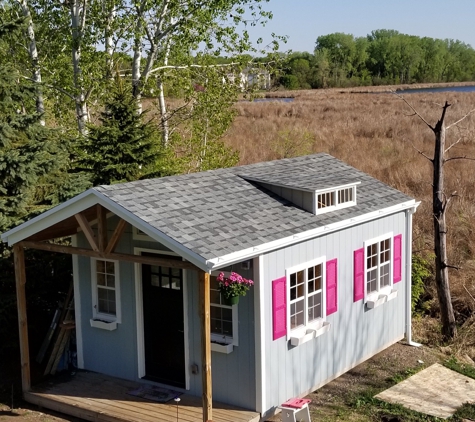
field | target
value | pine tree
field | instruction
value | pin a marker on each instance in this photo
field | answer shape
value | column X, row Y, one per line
column 34, row 159
column 124, row 147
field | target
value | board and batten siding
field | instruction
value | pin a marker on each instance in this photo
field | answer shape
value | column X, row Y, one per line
column 115, row 352
column 356, row 333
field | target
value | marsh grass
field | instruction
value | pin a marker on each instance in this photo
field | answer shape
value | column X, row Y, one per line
column 379, row 134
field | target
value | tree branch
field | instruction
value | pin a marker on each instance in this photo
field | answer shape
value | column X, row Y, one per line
column 459, row 120
column 52, row 87
column 157, row 69
column 473, row 298
column 460, row 158
column 455, row 143
column 413, row 109
column 423, row 154
column 450, row 266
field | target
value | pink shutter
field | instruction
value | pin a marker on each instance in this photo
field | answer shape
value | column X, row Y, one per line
column 397, row 258
column 279, row 308
column 332, row 291
column 358, row 273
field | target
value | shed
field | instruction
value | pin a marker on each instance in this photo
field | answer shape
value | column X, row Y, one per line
column 328, row 248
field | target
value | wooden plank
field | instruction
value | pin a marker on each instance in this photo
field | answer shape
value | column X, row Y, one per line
column 51, row 247
column 87, row 230
column 54, row 352
column 104, row 398
column 62, row 346
column 206, row 346
column 116, row 236
column 20, row 279
column 101, row 227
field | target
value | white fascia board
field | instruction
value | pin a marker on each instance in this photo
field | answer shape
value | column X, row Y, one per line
column 52, row 216
column 248, row 253
column 88, row 199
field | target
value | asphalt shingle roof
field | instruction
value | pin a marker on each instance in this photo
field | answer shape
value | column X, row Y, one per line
column 218, row 212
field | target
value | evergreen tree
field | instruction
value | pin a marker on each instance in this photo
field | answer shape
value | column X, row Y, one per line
column 33, row 161
column 124, row 147
column 34, row 164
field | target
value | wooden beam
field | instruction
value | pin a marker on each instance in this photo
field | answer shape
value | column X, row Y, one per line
column 150, row 260
column 101, row 227
column 20, row 278
column 116, row 236
column 206, row 347
column 86, row 228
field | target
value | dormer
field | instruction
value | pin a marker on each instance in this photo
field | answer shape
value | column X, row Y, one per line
column 335, row 198
column 313, row 193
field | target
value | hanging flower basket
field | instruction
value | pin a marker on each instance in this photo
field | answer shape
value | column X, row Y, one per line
column 233, row 286
column 232, row 300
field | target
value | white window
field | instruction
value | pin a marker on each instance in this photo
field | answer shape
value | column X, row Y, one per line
column 306, row 297
column 105, row 290
column 336, row 198
column 378, row 266
column 223, row 317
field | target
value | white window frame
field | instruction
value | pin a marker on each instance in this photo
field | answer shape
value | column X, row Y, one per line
column 95, row 299
column 380, row 291
column 218, row 338
column 315, row 324
column 334, row 195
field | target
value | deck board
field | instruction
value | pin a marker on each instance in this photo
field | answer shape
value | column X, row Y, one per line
column 100, row 398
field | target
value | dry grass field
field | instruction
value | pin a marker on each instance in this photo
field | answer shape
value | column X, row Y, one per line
column 379, row 134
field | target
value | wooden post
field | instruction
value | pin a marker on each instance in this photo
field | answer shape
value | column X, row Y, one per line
column 206, row 346
column 101, row 227
column 20, row 278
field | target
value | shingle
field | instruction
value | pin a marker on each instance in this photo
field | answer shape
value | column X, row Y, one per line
column 218, row 212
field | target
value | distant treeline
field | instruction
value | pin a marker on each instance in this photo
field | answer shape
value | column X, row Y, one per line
column 383, row 57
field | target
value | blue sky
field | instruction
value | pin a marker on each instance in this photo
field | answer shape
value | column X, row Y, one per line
column 304, row 20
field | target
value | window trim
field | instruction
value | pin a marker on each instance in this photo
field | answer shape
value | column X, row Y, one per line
column 386, row 290
column 318, row 323
column 96, row 315
column 217, row 338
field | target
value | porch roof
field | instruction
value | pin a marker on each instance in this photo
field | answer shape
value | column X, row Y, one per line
column 216, row 217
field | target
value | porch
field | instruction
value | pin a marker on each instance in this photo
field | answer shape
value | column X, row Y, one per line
column 97, row 397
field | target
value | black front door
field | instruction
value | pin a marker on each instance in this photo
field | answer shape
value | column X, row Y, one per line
column 163, row 323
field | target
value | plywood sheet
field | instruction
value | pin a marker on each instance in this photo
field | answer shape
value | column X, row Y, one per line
column 436, row 391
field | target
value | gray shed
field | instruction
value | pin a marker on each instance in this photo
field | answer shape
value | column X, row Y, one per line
column 328, row 248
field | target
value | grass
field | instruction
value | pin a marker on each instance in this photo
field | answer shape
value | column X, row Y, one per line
column 365, row 407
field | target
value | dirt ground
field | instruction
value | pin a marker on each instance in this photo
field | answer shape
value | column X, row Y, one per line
column 330, row 403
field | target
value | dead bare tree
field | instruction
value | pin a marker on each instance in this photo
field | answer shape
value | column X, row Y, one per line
column 440, row 203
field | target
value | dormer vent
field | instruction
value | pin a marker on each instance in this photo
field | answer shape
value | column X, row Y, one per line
column 332, row 199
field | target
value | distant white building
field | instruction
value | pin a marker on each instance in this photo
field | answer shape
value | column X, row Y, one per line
column 250, row 77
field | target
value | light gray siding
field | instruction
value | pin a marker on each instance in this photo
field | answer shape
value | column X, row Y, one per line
column 356, row 332
column 109, row 352
column 301, row 198
column 116, row 352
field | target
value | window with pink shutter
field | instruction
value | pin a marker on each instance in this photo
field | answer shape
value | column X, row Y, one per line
column 397, row 254
column 332, row 290
column 279, row 308
column 359, row 275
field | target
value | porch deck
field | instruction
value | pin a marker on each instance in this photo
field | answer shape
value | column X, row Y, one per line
column 97, row 397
